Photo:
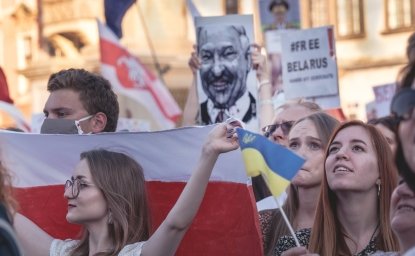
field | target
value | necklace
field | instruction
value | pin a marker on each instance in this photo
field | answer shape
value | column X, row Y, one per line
column 374, row 232
column 370, row 247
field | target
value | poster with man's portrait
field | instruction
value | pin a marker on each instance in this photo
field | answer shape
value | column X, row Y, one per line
column 279, row 14
column 226, row 82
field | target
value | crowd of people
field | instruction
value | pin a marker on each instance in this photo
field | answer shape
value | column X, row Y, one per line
column 354, row 194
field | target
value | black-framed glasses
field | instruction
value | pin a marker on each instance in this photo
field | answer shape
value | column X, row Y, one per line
column 77, row 185
column 285, row 127
column 403, row 104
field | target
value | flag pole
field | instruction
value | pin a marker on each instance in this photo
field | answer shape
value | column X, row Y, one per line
column 290, row 228
column 150, row 44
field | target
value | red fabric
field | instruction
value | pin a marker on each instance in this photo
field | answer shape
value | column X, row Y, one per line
column 337, row 113
column 4, row 89
column 111, row 54
column 226, row 224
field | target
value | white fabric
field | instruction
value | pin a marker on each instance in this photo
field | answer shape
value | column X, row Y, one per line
column 269, row 202
column 65, row 247
column 411, row 252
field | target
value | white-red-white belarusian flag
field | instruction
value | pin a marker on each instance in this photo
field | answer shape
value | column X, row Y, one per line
column 227, row 221
column 130, row 77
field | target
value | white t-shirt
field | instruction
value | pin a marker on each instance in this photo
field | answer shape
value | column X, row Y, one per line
column 411, row 252
column 65, row 247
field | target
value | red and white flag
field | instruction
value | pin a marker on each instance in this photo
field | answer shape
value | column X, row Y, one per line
column 227, row 221
column 6, row 104
column 130, row 77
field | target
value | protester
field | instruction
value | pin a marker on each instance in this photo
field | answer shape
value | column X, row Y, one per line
column 352, row 216
column 79, row 102
column 106, row 195
column 402, row 219
column 286, row 116
column 387, row 126
column 402, row 109
column 9, row 245
column 191, row 107
column 308, row 138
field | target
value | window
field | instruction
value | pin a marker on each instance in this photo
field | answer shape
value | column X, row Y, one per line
column 345, row 15
column 319, row 13
column 27, row 46
column 399, row 14
column 349, row 18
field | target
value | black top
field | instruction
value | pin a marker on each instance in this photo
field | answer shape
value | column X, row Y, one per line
column 303, row 236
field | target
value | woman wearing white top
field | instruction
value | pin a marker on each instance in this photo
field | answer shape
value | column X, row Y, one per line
column 107, row 196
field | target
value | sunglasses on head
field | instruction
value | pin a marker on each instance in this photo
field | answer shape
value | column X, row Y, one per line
column 403, row 104
column 285, row 127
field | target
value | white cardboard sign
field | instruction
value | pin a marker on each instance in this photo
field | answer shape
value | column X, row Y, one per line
column 309, row 67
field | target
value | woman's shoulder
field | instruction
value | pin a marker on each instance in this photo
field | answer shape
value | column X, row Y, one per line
column 62, row 247
column 132, row 249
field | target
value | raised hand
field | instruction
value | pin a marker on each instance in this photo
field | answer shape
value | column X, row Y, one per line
column 222, row 138
column 194, row 61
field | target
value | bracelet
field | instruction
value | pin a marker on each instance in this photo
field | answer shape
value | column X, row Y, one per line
column 263, row 83
column 265, row 102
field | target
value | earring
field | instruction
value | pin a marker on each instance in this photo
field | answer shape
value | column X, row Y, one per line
column 378, row 185
column 110, row 221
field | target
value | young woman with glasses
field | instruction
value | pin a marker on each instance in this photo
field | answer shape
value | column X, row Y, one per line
column 107, row 196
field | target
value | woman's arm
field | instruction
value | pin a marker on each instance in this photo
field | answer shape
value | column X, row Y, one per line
column 168, row 236
column 266, row 107
column 192, row 105
column 33, row 239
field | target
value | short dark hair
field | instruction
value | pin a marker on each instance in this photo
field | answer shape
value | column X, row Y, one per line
column 95, row 93
column 275, row 3
column 387, row 121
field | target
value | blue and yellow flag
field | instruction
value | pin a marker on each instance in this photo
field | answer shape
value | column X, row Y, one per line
column 261, row 156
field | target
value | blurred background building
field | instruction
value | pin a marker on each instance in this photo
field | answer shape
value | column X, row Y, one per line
column 39, row 37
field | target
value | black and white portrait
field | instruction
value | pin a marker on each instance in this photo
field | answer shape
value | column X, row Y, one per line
column 225, row 75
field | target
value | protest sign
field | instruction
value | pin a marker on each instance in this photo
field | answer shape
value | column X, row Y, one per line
column 226, row 82
column 273, row 41
column 309, row 67
column 383, row 97
column 371, row 111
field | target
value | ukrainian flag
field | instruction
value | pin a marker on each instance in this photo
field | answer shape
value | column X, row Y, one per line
column 261, row 156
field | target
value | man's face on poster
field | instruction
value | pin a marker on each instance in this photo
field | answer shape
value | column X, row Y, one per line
column 224, row 64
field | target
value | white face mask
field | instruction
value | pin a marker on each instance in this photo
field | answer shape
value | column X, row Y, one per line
column 78, row 125
column 63, row 126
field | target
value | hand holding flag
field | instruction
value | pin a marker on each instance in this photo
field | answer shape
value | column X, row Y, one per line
column 275, row 163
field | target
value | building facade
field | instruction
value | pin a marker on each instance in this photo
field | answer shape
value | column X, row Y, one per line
column 371, row 41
